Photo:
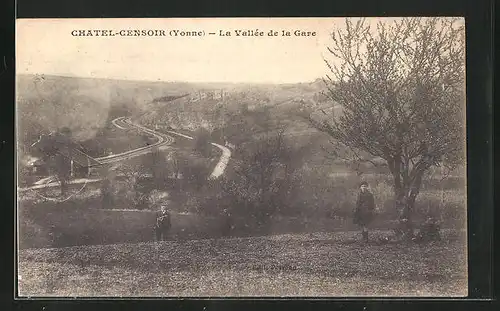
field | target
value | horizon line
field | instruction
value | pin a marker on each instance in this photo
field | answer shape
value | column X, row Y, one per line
column 169, row 81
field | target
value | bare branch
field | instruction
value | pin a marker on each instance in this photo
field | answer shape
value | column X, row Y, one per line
column 401, row 92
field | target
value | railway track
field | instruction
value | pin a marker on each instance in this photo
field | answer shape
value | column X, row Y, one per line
column 162, row 140
column 124, row 123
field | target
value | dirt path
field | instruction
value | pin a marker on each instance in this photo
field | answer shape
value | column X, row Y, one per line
column 223, row 161
column 222, row 164
column 124, row 123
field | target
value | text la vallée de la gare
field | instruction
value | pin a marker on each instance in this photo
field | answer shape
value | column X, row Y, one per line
column 190, row 33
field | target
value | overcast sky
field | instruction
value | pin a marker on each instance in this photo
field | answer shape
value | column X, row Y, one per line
column 47, row 47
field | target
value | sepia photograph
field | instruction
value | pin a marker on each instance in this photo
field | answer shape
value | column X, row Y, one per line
column 241, row 157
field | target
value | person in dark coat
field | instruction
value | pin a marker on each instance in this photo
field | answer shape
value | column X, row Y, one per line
column 163, row 224
column 365, row 209
column 107, row 194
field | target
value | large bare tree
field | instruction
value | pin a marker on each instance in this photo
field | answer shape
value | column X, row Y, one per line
column 397, row 93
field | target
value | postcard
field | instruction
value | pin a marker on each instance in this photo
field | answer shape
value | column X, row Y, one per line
column 241, row 157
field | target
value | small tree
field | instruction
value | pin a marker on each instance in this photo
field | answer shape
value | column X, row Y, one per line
column 398, row 94
column 263, row 177
column 202, row 142
column 194, row 173
column 56, row 150
column 155, row 162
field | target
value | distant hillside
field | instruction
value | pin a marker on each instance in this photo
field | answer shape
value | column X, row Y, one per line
column 214, row 105
column 48, row 103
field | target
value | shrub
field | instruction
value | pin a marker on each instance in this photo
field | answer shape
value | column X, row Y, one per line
column 202, row 142
column 449, row 206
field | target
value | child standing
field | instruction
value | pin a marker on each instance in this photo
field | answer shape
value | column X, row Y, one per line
column 163, row 224
column 365, row 207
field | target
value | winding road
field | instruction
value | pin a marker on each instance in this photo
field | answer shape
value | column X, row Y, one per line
column 162, row 140
column 224, row 159
column 124, row 123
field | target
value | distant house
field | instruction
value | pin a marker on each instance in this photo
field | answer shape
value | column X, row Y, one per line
column 195, row 97
column 38, row 167
column 80, row 164
column 220, row 94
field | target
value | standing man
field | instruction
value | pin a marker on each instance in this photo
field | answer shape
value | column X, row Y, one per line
column 106, row 193
column 163, row 223
column 365, row 207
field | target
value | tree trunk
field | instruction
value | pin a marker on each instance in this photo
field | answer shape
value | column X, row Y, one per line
column 407, row 218
column 405, row 192
column 405, row 197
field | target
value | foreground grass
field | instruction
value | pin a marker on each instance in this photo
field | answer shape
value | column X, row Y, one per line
column 321, row 264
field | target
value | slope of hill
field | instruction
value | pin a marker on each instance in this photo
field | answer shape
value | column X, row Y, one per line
column 282, row 102
column 322, row 264
column 86, row 106
column 48, row 103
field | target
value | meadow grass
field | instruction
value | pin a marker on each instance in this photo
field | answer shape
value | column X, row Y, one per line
column 320, row 264
column 82, row 220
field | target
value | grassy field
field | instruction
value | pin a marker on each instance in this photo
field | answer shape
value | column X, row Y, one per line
column 73, row 223
column 321, row 258
column 319, row 264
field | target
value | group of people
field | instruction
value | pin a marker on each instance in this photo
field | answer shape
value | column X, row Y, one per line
column 365, row 212
column 363, row 215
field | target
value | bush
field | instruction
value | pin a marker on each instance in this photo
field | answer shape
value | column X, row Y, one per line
column 448, row 206
column 158, row 197
column 202, row 142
